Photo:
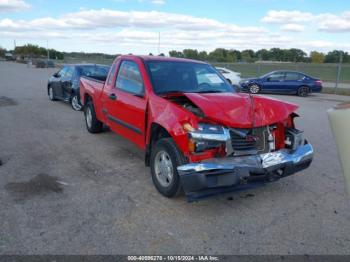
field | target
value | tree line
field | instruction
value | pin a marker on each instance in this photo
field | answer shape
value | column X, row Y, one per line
column 273, row 54
column 34, row 51
column 218, row 55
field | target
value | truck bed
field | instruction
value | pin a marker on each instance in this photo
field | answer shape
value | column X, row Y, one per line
column 90, row 86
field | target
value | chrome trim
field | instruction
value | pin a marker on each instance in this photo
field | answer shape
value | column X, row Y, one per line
column 301, row 154
column 263, row 161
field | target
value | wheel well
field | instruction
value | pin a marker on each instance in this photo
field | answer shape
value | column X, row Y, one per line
column 157, row 132
column 87, row 98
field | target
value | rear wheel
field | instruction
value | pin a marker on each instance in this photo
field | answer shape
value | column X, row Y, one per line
column 254, row 89
column 75, row 103
column 165, row 158
column 303, row 91
column 93, row 125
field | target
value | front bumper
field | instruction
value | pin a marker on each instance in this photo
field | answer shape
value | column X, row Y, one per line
column 218, row 175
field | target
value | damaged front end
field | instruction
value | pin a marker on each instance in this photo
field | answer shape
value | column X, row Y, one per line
column 236, row 141
column 243, row 158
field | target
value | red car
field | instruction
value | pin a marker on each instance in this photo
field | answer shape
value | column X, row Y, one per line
column 197, row 132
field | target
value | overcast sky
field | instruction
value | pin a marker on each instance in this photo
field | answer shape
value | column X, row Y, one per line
column 133, row 26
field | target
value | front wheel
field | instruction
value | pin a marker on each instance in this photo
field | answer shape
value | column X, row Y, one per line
column 51, row 94
column 165, row 158
column 75, row 103
column 254, row 89
column 93, row 125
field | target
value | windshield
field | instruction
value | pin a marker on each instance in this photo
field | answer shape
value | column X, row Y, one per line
column 186, row 77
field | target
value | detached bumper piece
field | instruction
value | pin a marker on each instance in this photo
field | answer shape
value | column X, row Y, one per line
column 219, row 175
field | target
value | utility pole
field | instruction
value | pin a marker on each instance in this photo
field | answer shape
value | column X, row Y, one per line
column 48, row 53
column 338, row 71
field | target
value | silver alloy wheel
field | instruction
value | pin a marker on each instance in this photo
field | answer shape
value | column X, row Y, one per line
column 163, row 168
column 88, row 117
column 75, row 103
column 254, row 89
column 51, row 93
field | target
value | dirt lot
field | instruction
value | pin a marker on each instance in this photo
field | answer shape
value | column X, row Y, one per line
column 65, row 191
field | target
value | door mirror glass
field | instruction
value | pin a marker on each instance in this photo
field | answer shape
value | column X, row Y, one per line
column 56, row 75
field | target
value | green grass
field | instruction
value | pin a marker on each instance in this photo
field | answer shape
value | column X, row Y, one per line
column 326, row 72
column 339, row 91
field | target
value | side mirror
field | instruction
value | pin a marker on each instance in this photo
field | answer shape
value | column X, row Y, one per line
column 56, row 75
column 267, row 79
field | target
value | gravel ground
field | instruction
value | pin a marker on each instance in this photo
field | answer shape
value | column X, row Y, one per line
column 65, row 191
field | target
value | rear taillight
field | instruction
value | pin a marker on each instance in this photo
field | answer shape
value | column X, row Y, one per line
column 318, row 82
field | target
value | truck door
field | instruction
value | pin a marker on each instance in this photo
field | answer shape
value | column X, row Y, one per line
column 124, row 103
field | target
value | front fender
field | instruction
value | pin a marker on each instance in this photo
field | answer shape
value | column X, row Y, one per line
column 172, row 118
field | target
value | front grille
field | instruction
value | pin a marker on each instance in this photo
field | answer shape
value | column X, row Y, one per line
column 254, row 140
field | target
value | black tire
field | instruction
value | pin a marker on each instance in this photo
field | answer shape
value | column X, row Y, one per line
column 303, row 91
column 168, row 146
column 75, row 103
column 254, row 89
column 93, row 125
column 51, row 93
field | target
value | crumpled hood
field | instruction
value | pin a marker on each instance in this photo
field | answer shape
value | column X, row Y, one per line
column 241, row 110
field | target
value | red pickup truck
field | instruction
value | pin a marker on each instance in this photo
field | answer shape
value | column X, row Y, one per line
column 198, row 133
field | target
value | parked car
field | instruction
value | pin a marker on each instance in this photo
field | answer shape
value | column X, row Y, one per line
column 197, row 133
column 231, row 76
column 64, row 85
column 44, row 64
column 283, row 82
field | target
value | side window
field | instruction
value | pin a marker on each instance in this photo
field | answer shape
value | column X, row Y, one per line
column 129, row 78
column 291, row 76
column 112, row 74
column 276, row 76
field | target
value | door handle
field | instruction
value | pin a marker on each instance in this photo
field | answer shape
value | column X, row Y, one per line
column 112, row 96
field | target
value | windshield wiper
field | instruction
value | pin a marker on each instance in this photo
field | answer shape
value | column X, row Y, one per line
column 189, row 91
column 171, row 92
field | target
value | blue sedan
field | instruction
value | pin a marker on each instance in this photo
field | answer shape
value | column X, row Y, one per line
column 282, row 82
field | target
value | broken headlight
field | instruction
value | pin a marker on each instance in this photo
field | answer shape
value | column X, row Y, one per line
column 208, row 136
